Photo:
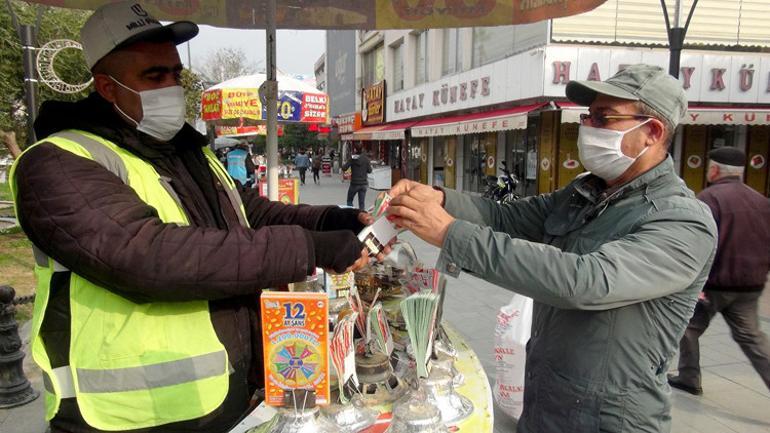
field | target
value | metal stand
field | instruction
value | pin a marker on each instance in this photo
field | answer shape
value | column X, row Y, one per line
column 15, row 389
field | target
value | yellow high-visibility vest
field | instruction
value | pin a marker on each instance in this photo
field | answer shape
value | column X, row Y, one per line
column 132, row 365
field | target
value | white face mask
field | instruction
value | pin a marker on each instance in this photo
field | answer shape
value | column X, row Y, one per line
column 600, row 151
column 163, row 111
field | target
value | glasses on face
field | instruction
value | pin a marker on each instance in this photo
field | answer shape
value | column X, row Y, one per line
column 600, row 120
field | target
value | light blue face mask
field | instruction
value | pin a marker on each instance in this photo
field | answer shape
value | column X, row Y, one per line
column 600, row 151
column 163, row 111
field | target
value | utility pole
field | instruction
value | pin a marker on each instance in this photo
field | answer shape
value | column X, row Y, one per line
column 28, row 37
column 676, row 35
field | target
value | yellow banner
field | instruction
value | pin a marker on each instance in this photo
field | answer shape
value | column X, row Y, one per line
column 355, row 14
column 241, row 103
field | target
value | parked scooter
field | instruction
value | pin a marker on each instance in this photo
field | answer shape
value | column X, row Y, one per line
column 502, row 189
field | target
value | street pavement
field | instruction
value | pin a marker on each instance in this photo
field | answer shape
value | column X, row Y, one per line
column 735, row 399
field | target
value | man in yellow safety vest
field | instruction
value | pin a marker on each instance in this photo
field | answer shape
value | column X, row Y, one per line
column 150, row 258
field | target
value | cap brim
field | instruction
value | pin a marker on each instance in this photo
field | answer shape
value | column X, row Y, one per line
column 584, row 92
column 178, row 32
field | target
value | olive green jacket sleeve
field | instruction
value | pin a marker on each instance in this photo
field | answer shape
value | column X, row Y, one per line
column 666, row 252
column 523, row 218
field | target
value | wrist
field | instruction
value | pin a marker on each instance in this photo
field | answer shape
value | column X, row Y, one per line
column 440, row 195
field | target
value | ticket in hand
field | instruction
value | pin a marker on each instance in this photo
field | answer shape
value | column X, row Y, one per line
column 378, row 235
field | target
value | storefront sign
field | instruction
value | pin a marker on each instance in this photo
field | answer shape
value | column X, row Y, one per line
column 757, row 161
column 348, row 123
column 713, row 77
column 373, row 104
column 726, row 116
column 444, row 95
column 515, row 78
column 502, row 123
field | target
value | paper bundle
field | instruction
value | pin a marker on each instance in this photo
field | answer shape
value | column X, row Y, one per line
column 419, row 312
column 378, row 328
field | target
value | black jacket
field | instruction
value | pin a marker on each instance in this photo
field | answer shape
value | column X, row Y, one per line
column 743, row 220
column 359, row 168
column 87, row 219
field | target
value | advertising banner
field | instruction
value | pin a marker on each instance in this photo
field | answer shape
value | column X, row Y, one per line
column 360, row 14
column 373, row 104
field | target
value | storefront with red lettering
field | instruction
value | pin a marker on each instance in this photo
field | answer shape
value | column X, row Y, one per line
column 514, row 110
column 468, row 125
column 729, row 105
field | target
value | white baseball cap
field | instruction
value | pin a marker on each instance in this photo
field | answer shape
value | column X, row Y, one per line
column 120, row 24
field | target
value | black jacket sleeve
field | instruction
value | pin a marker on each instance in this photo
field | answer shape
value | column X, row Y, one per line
column 88, row 220
column 262, row 212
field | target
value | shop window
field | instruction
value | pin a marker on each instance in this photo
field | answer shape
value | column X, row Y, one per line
column 491, row 44
column 374, row 65
column 479, row 165
column 444, row 157
column 532, row 165
column 421, row 58
column 398, row 67
column 417, row 164
column 721, row 136
column 516, row 157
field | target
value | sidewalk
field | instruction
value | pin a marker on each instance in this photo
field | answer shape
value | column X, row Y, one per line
column 735, row 400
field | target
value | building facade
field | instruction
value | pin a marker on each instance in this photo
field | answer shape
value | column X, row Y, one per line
column 458, row 102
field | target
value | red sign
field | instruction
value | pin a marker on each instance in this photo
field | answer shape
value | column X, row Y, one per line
column 315, row 107
column 211, row 105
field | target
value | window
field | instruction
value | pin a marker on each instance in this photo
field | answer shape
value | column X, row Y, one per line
column 421, row 59
column 478, row 149
column 491, row 44
column 374, row 66
column 451, row 52
column 398, row 67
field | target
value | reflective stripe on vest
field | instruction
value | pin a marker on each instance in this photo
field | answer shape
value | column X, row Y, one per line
column 131, row 364
column 136, row 378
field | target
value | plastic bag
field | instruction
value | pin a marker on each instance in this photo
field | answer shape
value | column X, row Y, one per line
column 514, row 324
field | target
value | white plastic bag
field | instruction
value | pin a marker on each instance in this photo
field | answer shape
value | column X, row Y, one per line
column 514, row 324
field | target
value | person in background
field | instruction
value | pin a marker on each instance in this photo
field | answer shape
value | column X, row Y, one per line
column 302, row 162
column 150, row 260
column 317, row 169
column 359, row 168
column 739, row 273
column 614, row 261
column 240, row 165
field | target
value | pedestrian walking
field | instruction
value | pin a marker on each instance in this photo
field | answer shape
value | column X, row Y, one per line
column 149, row 259
column 302, row 162
column 739, row 273
column 317, row 169
column 360, row 167
column 614, row 261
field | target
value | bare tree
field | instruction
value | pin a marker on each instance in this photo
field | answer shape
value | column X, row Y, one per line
column 226, row 63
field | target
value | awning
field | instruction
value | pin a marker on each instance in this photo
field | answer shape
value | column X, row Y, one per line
column 570, row 112
column 490, row 121
column 388, row 131
column 696, row 115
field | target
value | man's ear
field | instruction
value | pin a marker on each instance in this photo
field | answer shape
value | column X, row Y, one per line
column 105, row 86
column 656, row 131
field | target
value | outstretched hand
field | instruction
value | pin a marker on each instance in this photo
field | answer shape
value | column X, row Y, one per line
column 419, row 209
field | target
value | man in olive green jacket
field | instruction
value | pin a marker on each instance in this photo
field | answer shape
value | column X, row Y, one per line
column 614, row 261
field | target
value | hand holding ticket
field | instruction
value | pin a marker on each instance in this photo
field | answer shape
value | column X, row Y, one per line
column 378, row 235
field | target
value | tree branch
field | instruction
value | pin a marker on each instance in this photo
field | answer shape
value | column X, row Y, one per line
column 9, row 139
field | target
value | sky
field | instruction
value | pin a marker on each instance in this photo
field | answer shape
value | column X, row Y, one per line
column 297, row 50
